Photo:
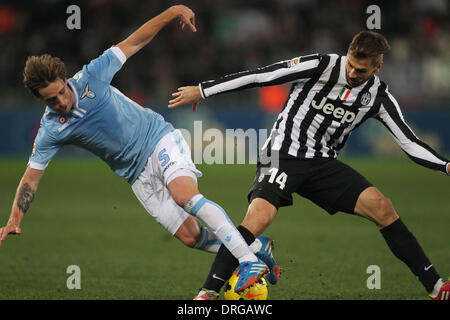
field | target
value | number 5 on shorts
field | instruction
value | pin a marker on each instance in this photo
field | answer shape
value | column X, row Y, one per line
column 281, row 179
column 163, row 157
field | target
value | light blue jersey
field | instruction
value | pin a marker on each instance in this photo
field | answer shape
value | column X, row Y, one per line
column 103, row 121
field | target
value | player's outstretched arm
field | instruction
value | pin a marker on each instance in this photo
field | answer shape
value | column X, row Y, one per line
column 287, row 71
column 186, row 95
column 392, row 118
column 24, row 196
column 147, row 31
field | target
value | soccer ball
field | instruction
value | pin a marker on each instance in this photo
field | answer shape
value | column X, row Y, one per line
column 258, row 291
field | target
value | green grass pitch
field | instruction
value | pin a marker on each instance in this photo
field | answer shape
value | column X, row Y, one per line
column 84, row 215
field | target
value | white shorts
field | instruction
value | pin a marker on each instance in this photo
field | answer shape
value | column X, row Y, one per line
column 170, row 159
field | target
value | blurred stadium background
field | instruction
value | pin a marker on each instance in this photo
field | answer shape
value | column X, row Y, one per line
column 232, row 36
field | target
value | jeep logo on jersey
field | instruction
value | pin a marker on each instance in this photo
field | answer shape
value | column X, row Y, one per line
column 87, row 93
column 339, row 113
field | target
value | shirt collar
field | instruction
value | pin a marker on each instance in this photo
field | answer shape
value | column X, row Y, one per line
column 75, row 92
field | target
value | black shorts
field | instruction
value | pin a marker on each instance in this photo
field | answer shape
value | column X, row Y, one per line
column 329, row 183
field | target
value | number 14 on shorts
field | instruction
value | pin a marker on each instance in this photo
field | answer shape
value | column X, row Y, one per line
column 278, row 178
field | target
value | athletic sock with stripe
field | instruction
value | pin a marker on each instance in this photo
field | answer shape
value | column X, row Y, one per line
column 218, row 221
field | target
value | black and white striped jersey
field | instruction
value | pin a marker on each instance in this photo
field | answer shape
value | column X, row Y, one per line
column 322, row 109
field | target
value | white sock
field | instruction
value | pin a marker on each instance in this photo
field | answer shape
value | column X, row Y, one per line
column 218, row 222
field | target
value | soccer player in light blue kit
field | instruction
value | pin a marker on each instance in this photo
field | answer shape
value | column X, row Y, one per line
column 136, row 142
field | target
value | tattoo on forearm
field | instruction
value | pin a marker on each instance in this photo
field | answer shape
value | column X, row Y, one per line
column 26, row 195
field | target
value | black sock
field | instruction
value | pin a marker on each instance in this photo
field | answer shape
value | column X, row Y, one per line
column 225, row 263
column 404, row 246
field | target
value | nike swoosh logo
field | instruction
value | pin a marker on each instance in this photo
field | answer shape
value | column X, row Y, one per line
column 249, row 295
column 428, row 268
column 218, row 278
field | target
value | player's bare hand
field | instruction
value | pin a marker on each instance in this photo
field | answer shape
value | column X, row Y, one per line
column 186, row 95
column 186, row 15
column 8, row 229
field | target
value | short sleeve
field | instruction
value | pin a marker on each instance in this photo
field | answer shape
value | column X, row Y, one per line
column 106, row 65
column 44, row 148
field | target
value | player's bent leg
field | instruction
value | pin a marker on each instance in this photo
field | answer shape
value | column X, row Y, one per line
column 185, row 193
column 260, row 215
column 373, row 205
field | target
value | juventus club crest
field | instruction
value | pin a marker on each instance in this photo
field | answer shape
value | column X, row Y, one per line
column 365, row 98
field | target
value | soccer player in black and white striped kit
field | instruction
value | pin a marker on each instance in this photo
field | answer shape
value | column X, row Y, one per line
column 331, row 96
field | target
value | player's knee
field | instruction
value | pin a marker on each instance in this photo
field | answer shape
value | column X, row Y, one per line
column 181, row 199
column 182, row 189
column 385, row 213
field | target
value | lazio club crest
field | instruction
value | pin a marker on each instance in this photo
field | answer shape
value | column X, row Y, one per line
column 87, row 93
